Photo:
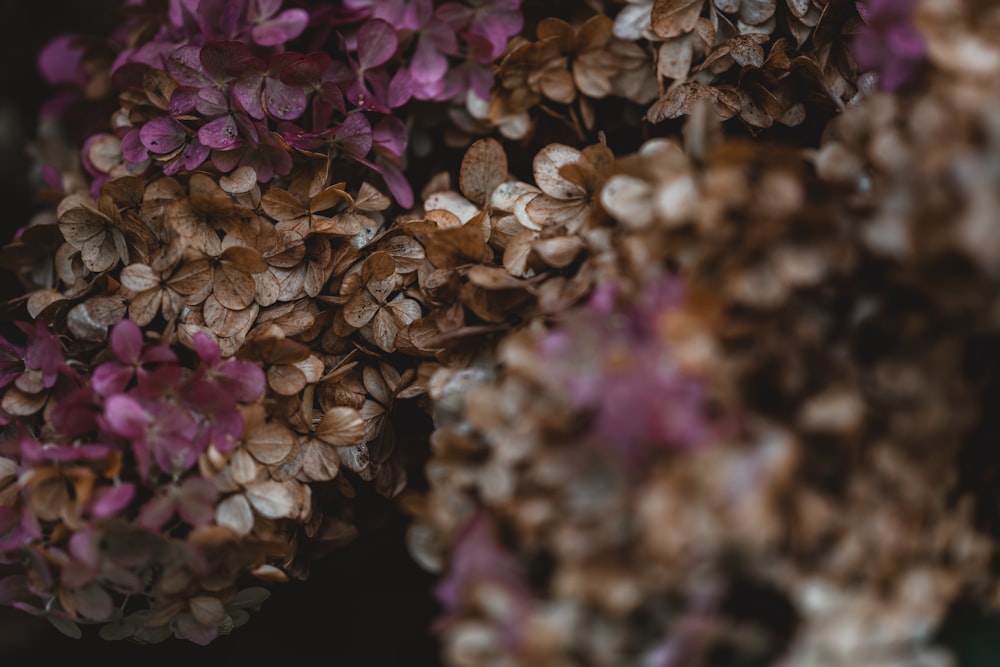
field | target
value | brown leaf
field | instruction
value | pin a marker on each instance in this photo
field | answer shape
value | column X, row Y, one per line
column 234, row 288
column 484, row 167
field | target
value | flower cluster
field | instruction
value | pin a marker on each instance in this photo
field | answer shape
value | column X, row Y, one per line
column 110, row 488
column 699, row 330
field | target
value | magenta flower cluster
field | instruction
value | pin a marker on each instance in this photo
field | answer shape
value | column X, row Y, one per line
column 237, row 96
column 145, row 404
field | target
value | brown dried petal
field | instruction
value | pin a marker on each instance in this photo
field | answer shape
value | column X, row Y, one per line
column 283, row 206
column 670, row 18
column 270, row 443
column 21, row 404
column 192, row 279
column 484, row 167
column 286, row 380
column 234, row 288
column 320, row 462
column 341, row 427
column 139, row 278
column 226, row 322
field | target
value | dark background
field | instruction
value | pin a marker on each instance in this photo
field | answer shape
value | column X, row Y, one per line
column 368, row 604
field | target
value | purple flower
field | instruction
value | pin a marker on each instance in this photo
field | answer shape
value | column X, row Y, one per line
column 889, row 44
column 494, row 21
column 43, row 352
column 127, row 345
column 366, row 81
column 243, row 380
column 161, row 431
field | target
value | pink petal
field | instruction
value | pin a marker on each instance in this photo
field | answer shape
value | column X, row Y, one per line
column 126, row 417
column 284, row 102
column 162, row 135
column 109, row 501
column 244, row 380
column 111, row 378
column 355, row 135
column 286, row 26
column 59, row 62
column 126, row 342
column 247, row 93
column 220, row 133
column 132, row 148
column 206, row 349
column 377, row 43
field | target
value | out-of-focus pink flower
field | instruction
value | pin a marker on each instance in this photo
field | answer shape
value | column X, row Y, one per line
column 889, row 44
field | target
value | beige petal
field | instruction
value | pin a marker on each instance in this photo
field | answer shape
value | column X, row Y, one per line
column 208, row 611
column 271, row 499
column 240, row 181
column 21, row 404
column 629, row 200
column 282, row 205
column 234, row 513
column 99, row 253
column 139, row 278
column 268, row 289
column 243, row 468
column 559, row 251
column 234, row 288
column 546, row 166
